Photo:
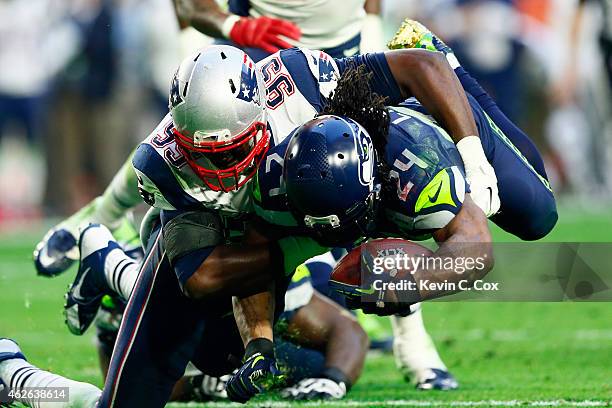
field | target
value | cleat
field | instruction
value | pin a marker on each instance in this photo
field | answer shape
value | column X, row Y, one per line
column 9, row 350
column 89, row 287
column 436, row 379
column 55, row 253
column 59, row 248
column 412, row 34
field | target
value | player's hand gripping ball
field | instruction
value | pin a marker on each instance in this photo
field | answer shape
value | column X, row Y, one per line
column 377, row 276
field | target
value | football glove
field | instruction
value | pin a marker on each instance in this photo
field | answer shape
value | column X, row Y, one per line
column 257, row 374
column 315, row 388
column 480, row 175
column 267, row 33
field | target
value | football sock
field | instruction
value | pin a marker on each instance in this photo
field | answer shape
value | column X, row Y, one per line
column 19, row 375
column 121, row 273
column 412, row 346
column 120, row 196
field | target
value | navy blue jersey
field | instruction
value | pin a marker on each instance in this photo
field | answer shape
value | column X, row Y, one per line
column 426, row 170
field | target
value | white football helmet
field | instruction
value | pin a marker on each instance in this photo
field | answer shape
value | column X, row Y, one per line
column 217, row 105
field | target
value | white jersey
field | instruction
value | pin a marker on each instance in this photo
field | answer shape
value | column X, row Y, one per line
column 324, row 23
column 296, row 81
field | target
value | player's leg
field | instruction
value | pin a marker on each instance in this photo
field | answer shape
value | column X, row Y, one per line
column 58, row 249
column 19, row 376
column 424, row 367
column 104, row 268
column 160, row 330
column 528, row 208
column 193, row 386
column 513, row 132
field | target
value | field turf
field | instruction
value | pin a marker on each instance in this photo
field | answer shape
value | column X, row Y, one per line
column 504, row 354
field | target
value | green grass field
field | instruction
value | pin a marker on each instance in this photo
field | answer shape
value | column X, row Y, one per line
column 504, row 354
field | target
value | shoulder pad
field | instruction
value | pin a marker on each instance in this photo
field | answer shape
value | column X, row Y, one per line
column 156, row 182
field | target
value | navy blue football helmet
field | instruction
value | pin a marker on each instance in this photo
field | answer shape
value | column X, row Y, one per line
column 330, row 179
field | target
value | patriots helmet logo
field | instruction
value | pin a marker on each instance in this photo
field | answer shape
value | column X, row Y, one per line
column 175, row 98
column 249, row 91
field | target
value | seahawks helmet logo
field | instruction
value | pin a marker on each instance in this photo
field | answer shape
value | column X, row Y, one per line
column 365, row 155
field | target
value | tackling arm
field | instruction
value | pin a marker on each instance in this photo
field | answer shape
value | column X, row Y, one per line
column 437, row 87
column 427, row 76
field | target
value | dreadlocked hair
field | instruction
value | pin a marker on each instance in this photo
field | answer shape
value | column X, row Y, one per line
column 354, row 98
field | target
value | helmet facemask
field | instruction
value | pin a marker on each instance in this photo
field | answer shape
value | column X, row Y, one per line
column 344, row 229
column 225, row 165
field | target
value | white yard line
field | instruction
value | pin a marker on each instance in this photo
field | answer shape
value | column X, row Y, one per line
column 405, row 403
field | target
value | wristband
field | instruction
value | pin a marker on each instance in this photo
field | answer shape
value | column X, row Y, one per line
column 471, row 151
column 336, row 375
column 228, row 23
column 261, row 345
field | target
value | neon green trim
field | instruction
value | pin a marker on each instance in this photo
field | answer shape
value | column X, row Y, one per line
column 258, row 358
column 108, row 302
column 437, row 192
column 301, row 272
column 515, row 149
column 366, row 291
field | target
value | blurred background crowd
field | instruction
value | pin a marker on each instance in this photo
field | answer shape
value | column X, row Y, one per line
column 83, row 81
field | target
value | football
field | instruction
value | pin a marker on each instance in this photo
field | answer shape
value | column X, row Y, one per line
column 346, row 278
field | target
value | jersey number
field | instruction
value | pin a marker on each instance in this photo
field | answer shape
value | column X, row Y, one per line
column 278, row 84
column 171, row 153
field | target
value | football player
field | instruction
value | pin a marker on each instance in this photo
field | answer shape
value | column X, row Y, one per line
column 309, row 323
column 298, row 82
column 263, row 27
column 407, row 181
